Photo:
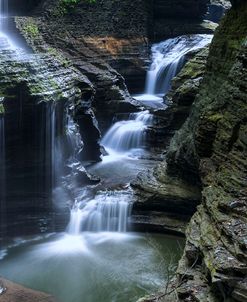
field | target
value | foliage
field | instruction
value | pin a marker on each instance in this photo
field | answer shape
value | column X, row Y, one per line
column 1, row 109
column 31, row 29
column 66, row 5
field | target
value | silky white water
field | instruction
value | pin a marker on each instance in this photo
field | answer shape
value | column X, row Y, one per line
column 107, row 212
column 93, row 267
column 168, row 57
column 2, row 173
column 110, row 210
column 96, row 259
column 128, row 134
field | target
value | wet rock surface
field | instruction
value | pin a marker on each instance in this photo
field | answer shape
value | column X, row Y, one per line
column 33, row 88
column 212, row 144
column 179, row 99
column 17, row 293
column 110, row 93
column 123, row 32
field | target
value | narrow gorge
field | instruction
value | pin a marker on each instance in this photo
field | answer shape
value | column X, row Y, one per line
column 123, row 145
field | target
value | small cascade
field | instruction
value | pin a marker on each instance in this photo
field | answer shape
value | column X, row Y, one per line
column 129, row 134
column 168, row 58
column 107, row 212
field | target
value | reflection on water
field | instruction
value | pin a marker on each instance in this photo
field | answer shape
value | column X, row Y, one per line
column 92, row 267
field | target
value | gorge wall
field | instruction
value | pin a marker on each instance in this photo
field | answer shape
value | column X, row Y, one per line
column 123, row 32
column 211, row 148
column 208, row 154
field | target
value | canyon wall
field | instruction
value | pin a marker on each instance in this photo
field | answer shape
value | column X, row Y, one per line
column 120, row 32
column 211, row 149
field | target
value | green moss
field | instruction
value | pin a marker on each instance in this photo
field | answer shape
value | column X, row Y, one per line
column 31, row 28
column 2, row 109
column 56, row 54
column 65, row 6
column 215, row 117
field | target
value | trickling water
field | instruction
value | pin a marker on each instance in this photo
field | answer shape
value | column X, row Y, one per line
column 2, row 171
column 168, row 58
column 126, row 135
column 3, row 12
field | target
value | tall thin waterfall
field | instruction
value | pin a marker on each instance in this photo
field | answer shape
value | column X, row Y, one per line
column 63, row 144
column 3, row 13
column 168, row 58
column 6, row 41
column 2, row 171
column 128, row 134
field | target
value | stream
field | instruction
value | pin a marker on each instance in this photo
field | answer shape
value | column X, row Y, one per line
column 98, row 257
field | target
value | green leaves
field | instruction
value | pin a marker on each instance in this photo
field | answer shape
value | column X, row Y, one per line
column 66, row 5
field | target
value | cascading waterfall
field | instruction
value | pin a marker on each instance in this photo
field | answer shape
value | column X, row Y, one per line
column 129, row 134
column 168, row 58
column 108, row 211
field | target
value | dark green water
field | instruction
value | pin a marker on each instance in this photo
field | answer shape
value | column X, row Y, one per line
column 93, row 267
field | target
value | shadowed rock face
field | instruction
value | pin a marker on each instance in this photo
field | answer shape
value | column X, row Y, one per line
column 37, row 94
column 212, row 146
column 122, row 33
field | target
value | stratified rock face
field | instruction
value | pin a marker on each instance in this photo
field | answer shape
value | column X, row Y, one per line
column 213, row 143
column 122, row 33
column 216, row 9
column 37, row 94
column 179, row 17
column 184, row 89
column 111, row 95
column 156, row 190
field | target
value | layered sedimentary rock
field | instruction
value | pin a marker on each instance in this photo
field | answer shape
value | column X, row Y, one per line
column 122, row 33
column 178, row 17
column 211, row 147
column 216, row 9
column 179, row 99
column 156, row 193
column 111, row 94
column 37, row 94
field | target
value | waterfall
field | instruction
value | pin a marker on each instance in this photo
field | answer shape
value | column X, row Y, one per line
column 3, row 13
column 6, row 42
column 2, row 172
column 108, row 211
column 129, row 134
column 168, row 58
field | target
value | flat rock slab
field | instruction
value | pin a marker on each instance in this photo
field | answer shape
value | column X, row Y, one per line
column 18, row 293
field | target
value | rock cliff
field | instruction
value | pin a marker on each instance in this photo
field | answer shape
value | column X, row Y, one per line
column 37, row 93
column 122, row 34
column 211, row 148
